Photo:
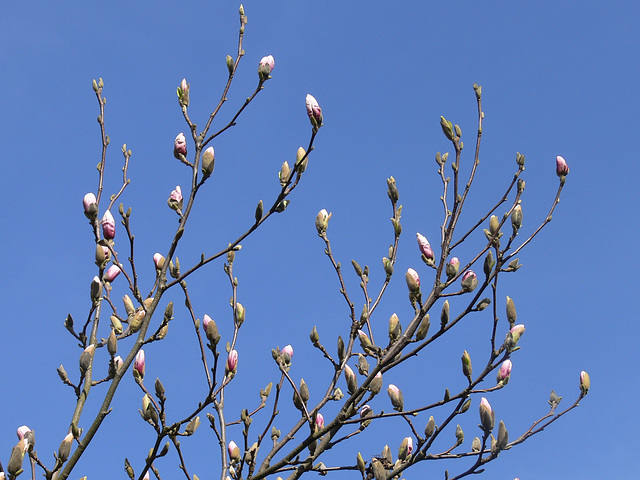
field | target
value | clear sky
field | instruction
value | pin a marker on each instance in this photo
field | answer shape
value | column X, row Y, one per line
column 558, row 78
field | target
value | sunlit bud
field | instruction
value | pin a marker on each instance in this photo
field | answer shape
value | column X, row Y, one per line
column 232, row 362
column 302, row 160
column 392, row 190
column 494, row 224
column 585, row 382
column 319, row 421
column 96, row 289
column 395, row 329
column 146, row 407
column 117, row 361
column 444, row 314
column 314, row 111
column 516, row 218
column 413, row 280
column 158, row 260
column 447, row 128
column 459, row 435
column 512, row 315
column 388, row 266
column 397, row 400
column 406, row 447
column 89, row 205
column 452, row 267
column 288, row 353
column 423, row 329
column 562, row 168
column 365, row 343
column 376, row 384
column 22, row 431
column 503, row 436
column 322, row 221
column 183, row 92
column 108, row 225
column 285, row 173
column 430, row 428
column 65, row 448
column 489, row 262
column 234, row 452
column 102, row 255
column 139, row 365
column 467, row 369
column 352, row 381
column 211, row 330
column 487, row 415
column 379, row 472
column 112, row 343
column 365, row 414
column 112, row 272
column 314, row 336
column 425, row 247
column 208, row 161
column 476, row 445
column 361, row 463
column 504, row 372
column 516, row 332
column 469, row 281
column 175, row 200
column 192, row 426
column 240, row 313
column 265, row 67
column 180, row 146
column 128, row 305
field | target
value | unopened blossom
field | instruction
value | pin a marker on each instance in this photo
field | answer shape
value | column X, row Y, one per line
column 319, row 421
column 314, row 111
column 288, row 350
column 117, row 361
column 234, row 452
column 487, row 415
column 139, row 364
column 211, row 329
column 184, row 93
column 22, row 431
column 425, row 246
column 322, row 221
column 175, row 199
column 517, row 331
column 562, row 168
column 158, row 260
column 469, row 281
column 232, row 362
column 265, row 67
column 397, row 399
column 413, row 280
column 585, row 382
column 505, row 371
column 108, row 226
column 180, row 146
column 208, row 161
column 112, row 272
column 65, row 447
column 88, row 200
column 453, row 266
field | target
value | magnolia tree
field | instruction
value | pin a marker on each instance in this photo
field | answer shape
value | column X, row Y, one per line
column 261, row 443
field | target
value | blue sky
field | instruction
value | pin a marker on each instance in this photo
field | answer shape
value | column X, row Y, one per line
column 559, row 78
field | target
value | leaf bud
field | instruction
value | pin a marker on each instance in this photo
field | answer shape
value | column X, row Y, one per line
column 315, row 338
column 128, row 305
column 192, row 426
column 388, row 266
column 516, row 219
column 520, row 159
column 112, row 343
column 230, row 64
column 302, row 160
column 503, row 436
column 494, row 225
column 512, row 315
column 360, row 463
column 476, row 445
column 447, row 128
column 240, row 314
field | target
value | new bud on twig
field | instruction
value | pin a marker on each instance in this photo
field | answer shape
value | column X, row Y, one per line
column 240, row 314
column 447, row 128
column 504, row 372
column 96, row 289
column 208, row 161
column 452, row 268
column 423, row 329
column 90, row 206
column 158, row 261
column 232, row 364
column 352, row 381
column 397, row 400
column 585, row 382
column 234, row 452
column 459, row 435
column 516, row 219
column 425, row 248
column 395, row 329
column 265, row 67
column 487, row 415
column 406, row 447
column 139, row 365
column 319, row 422
column 467, row 369
column 287, row 353
column 112, row 272
column 284, row 174
column 65, row 448
column 562, row 169
column 322, row 221
column 430, row 428
column 376, row 384
column 180, row 147
column 108, row 226
column 513, row 336
column 175, row 200
column 512, row 316
column 413, row 281
column 314, row 111
column 469, row 281
column 365, row 414
column 392, row 190
column 183, row 93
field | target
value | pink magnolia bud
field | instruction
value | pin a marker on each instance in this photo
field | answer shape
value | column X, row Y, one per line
column 365, row 413
column 234, row 452
column 406, row 447
column 265, row 67
column 288, row 350
column 22, row 431
column 208, row 161
column 397, row 399
column 452, row 268
column 365, row 343
column 504, row 372
column 585, row 382
column 117, row 361
column 413, row 280
column 106, row 252
column 180, row 146
column 211, row 329
column 517, row 331
column 314, row 111
column 175, row 199
column 487, row 415
column 88, row 200
column 108, row 226
column 562, row 168
column 158, row 260
column 425, row 247
column 111, row 274
column 319, row 421
column 183, row 93
column 352, row 381
column 469, row 281
column 232, row 362
column 138, row 365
